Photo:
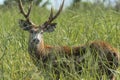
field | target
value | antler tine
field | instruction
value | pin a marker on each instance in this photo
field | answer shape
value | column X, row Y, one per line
column 51, row 18
column 29, row 10
column 26, row 15
column 21, row 8
column 51, row 14
column 60, row 9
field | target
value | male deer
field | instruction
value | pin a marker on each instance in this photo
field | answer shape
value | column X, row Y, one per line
column 40, row 51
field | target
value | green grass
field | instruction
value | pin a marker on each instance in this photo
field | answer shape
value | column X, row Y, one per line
column 75, row 27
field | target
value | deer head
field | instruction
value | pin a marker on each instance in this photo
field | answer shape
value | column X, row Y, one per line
column 36, row 31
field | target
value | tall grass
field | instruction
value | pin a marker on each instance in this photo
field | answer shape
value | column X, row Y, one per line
column 75, row 27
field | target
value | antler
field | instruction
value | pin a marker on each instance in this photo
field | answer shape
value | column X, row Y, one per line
column 52, row 17
column 26, row 15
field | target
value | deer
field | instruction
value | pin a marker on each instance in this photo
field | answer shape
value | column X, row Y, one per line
column 40, row 51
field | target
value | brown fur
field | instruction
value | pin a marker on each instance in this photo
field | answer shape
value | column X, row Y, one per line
column 103, row 49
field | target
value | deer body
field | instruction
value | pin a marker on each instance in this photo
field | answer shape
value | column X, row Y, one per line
column 40, row 51
column 103, row 49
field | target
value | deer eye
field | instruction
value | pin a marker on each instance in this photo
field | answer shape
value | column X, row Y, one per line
column 32, row 31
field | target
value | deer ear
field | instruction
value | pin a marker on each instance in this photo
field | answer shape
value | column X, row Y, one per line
column 50, row 28
column 25, row 25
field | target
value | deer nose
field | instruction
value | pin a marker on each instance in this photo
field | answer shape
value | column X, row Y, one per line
column 36, row 41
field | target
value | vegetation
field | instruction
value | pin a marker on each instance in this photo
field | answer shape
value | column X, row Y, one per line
column 75, row 27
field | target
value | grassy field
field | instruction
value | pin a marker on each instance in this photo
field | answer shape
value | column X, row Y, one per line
column 75, row 27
